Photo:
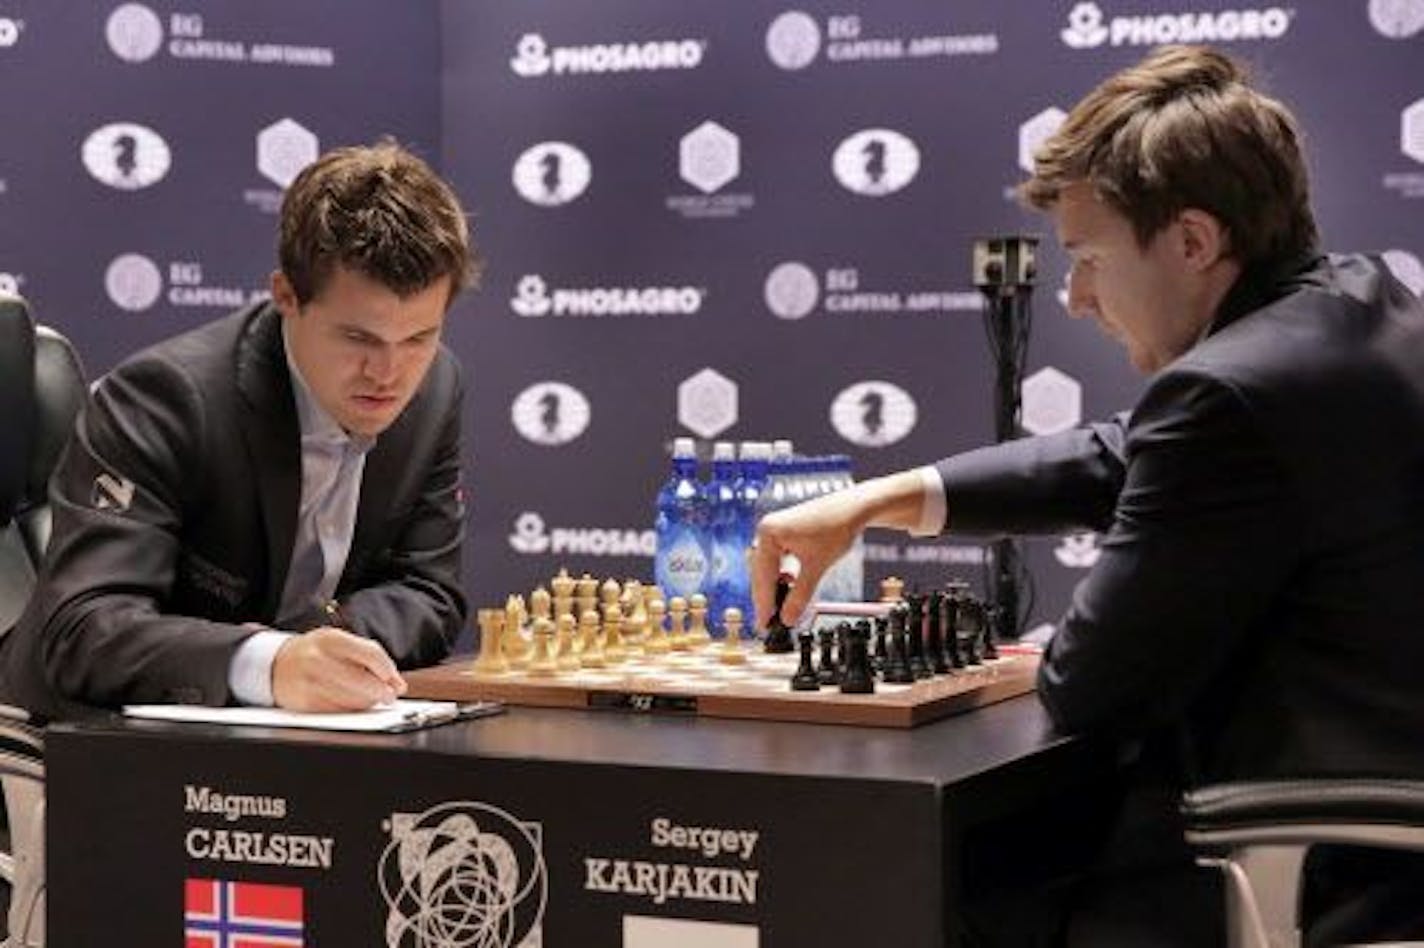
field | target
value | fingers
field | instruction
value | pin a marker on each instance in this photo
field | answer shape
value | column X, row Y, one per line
column 812, row 569
column 332, row 670
column 764, row 558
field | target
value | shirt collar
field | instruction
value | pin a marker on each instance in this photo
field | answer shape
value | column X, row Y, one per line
column 1262, row 284
column 315, row 422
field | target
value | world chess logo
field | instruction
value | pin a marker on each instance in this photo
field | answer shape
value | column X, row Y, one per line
column 552, row 173
column 284, row 148
column 709, row 157
column 1407, row 268
column 873, row 414
column 126, row 156
column 463, row 875
column 1085, row 27
column 1397, row 19
column 791, row 290
column 134, row 32
column 876, row 162
column 1052, row 402
column 531, row 535
column 531, row 297
column 550, row 413
column 793, row 40
column 531, row 56
column 707, row 403
column 1078, row 550
column 133, row 282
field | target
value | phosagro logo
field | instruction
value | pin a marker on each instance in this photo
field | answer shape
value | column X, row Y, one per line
column 873, row 414
column 1087, row 28
column 126, row 156
column 876, row 162
column 532, row 537
column 1078, row 550
column 534, row 57
column 550, row 413
column 552, row 173
column 534, row 298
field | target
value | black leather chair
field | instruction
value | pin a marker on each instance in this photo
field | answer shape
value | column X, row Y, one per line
column 41, row 390
column 1260, row 833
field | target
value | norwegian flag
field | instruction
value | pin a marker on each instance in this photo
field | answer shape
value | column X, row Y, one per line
column 219, row 914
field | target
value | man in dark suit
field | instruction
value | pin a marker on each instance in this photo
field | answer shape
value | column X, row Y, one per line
column 268, row 509
column 1258, row 606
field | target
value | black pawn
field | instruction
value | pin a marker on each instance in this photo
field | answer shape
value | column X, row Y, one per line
column 934, row 638
column 915, row 636
column 857, row 677
column 949, row 623
column 805, row 678
column 778, row 633
column 897, row 668
column 972, row 619
column 882, row 624
column 826, row 671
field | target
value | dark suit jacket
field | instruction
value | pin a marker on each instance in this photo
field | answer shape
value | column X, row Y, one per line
column 175, row 511
column 1262, row 574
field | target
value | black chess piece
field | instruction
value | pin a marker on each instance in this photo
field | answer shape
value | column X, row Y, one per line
column 934, row 638
column 972, row 619
column 949, row 622
column 914, row 635
column 882, row 624
column 988, row 647
column 805, row 678
column 778, row 633
column 897, row 667
column 857, row 675
column 827, row 671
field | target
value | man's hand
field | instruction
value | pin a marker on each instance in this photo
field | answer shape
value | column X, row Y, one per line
column 820, row 531
column 329, row 669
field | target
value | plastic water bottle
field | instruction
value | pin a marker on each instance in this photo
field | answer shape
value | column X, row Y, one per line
column 751, row 484
column 780, row 478
column 724, row 533
column 681, row 565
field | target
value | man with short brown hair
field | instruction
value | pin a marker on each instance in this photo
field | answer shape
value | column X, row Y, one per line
column 268, row 509
column 1257, row 609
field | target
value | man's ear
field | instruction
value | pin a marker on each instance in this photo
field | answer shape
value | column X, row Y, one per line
column 283, row 295
column 1204, row 239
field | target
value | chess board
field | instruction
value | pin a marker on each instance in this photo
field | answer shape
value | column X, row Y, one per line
column 698, row 683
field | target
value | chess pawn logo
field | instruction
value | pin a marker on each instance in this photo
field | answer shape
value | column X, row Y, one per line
column 732, row 653
column 491, row 658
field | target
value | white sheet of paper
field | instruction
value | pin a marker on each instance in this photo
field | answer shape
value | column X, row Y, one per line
column 403, row 714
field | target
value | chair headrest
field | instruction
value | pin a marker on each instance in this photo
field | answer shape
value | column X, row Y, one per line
column 59, row 392
column 17, row 394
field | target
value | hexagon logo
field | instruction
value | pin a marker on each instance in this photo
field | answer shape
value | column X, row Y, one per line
column 134, row 32
column 707, row 403
column 1036, row 131
column 873, row 414
column 793, row 40
column 791, row 290
column 284, row 148
column 1052, row 402
column 709, row 157
column 550, row 413
column 1411, row 130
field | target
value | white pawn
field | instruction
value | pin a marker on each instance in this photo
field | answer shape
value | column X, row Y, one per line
column 677, row 615
column 731, row 652
column 698, row 636
column 543, row 664
column 567, row 660
column 591, row 655
column 657, row 642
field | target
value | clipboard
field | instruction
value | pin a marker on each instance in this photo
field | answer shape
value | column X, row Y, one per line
column 401, row 716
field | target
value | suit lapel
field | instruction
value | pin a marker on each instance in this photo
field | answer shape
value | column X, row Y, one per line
column 269, row 429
